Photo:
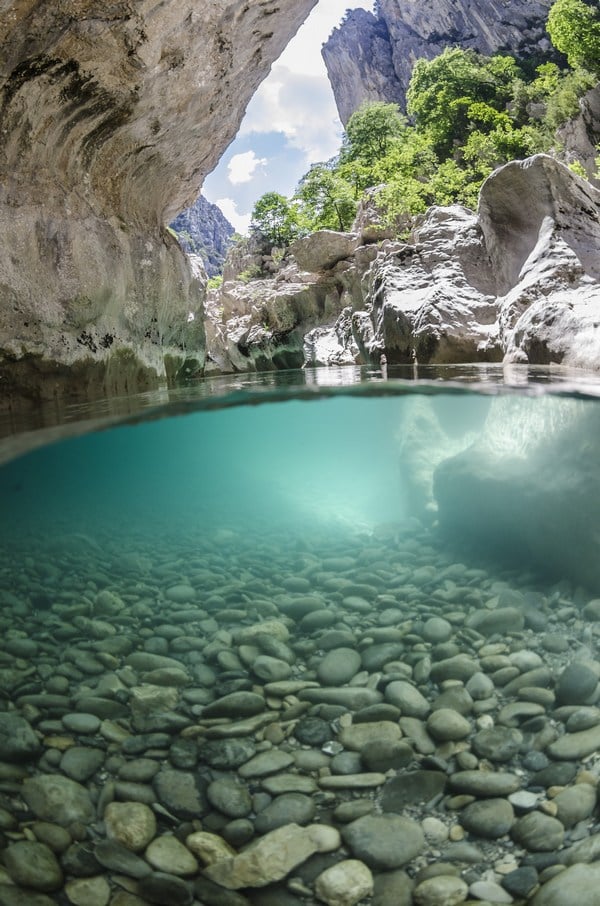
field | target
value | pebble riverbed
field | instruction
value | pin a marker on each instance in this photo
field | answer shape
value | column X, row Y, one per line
column 289, row 720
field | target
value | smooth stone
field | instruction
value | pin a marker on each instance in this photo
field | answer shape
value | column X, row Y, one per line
column 500, row 621
column 393, row 888
column 181, row 594
column 578, row 884
column 140, row 770
column 407, row 697
column 521, row 882
column 587, row 850
column 436, row 629
column 489, row 892
column 497, row 743
column 351, row 697
column 537, row 832
column 18, row 740
column 54, row 836
column 236, row 704
column 411, row 788
column 160, row 887
column 81, row 723
column 350, row 811
column 485, row 783
column 229, row 797
column 480, row 686
column 167, row 854
column 271, row 669
column 583, row 718
column 289, row 808
column 104, row 708
column 61, row 800
column 513, row 714
column 442, row 890
column 384, row 842
column 561, row 774
column 13, row 896
column 80, row 763
column 490, row 818
column 32, row 865
column 227, row 754
column 300, row 606
column 265, row 763
column 352, row 781
column 288, row 783
column 132, row 824
column 357, row 736
column 575, row 804
column 119, row 858
column 414, row 731
column 181, row 792
column 344, row 883
column 375, row 657
column 273, row 856
column 463, row 852
column 575, row 746
column 383, row 755
column 338, row 666
column 576, row 684
column 539, row 676
column 458, row 667
column 524, row 801
column 310, row 760
column 346, row 762
column 446, row 725
column 88, row 891
column 312, row 731
column 375, row 713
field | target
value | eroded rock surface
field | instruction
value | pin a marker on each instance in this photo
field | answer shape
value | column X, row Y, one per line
column 111, row 116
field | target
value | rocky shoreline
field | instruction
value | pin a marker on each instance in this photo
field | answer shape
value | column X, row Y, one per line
column 274, row 719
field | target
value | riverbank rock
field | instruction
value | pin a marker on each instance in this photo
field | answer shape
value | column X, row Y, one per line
column 103, row 142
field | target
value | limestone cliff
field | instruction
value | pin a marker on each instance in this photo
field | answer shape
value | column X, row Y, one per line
column 202, row 229
column 112, row 113
column 514, row 282
column 371, row 57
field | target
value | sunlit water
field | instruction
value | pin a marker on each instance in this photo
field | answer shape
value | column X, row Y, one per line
column 325, row 545
column 295, row 459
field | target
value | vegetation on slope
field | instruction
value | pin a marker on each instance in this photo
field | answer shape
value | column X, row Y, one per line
column 466, row 115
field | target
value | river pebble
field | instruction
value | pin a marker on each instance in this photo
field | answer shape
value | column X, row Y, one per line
column 371, row 724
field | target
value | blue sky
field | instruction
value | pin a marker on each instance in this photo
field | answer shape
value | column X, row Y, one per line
column 290, row 123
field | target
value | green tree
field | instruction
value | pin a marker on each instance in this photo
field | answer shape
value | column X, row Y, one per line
column 326, row 199
column 443, row 91
column 574, row 27
column 275, row 219
column 371, row 133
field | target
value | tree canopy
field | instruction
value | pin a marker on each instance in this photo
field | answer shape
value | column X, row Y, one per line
column 574, row 27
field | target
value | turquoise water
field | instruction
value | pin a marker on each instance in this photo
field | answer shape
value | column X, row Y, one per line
column 266, row 604
column 488, row 474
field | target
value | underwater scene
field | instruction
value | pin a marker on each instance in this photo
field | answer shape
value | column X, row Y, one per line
column 294, row 645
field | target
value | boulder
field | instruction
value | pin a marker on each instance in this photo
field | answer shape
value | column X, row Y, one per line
column 323, row 249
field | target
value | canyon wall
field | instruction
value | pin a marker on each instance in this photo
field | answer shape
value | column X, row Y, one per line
column 371, row 57
column 112, row 114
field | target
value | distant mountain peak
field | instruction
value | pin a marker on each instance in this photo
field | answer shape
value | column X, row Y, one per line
column 204, row 230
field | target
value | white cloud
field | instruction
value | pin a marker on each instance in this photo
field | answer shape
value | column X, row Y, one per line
column 242, row 167
column 240, row 222
column 301, row 107
column 303, row 53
